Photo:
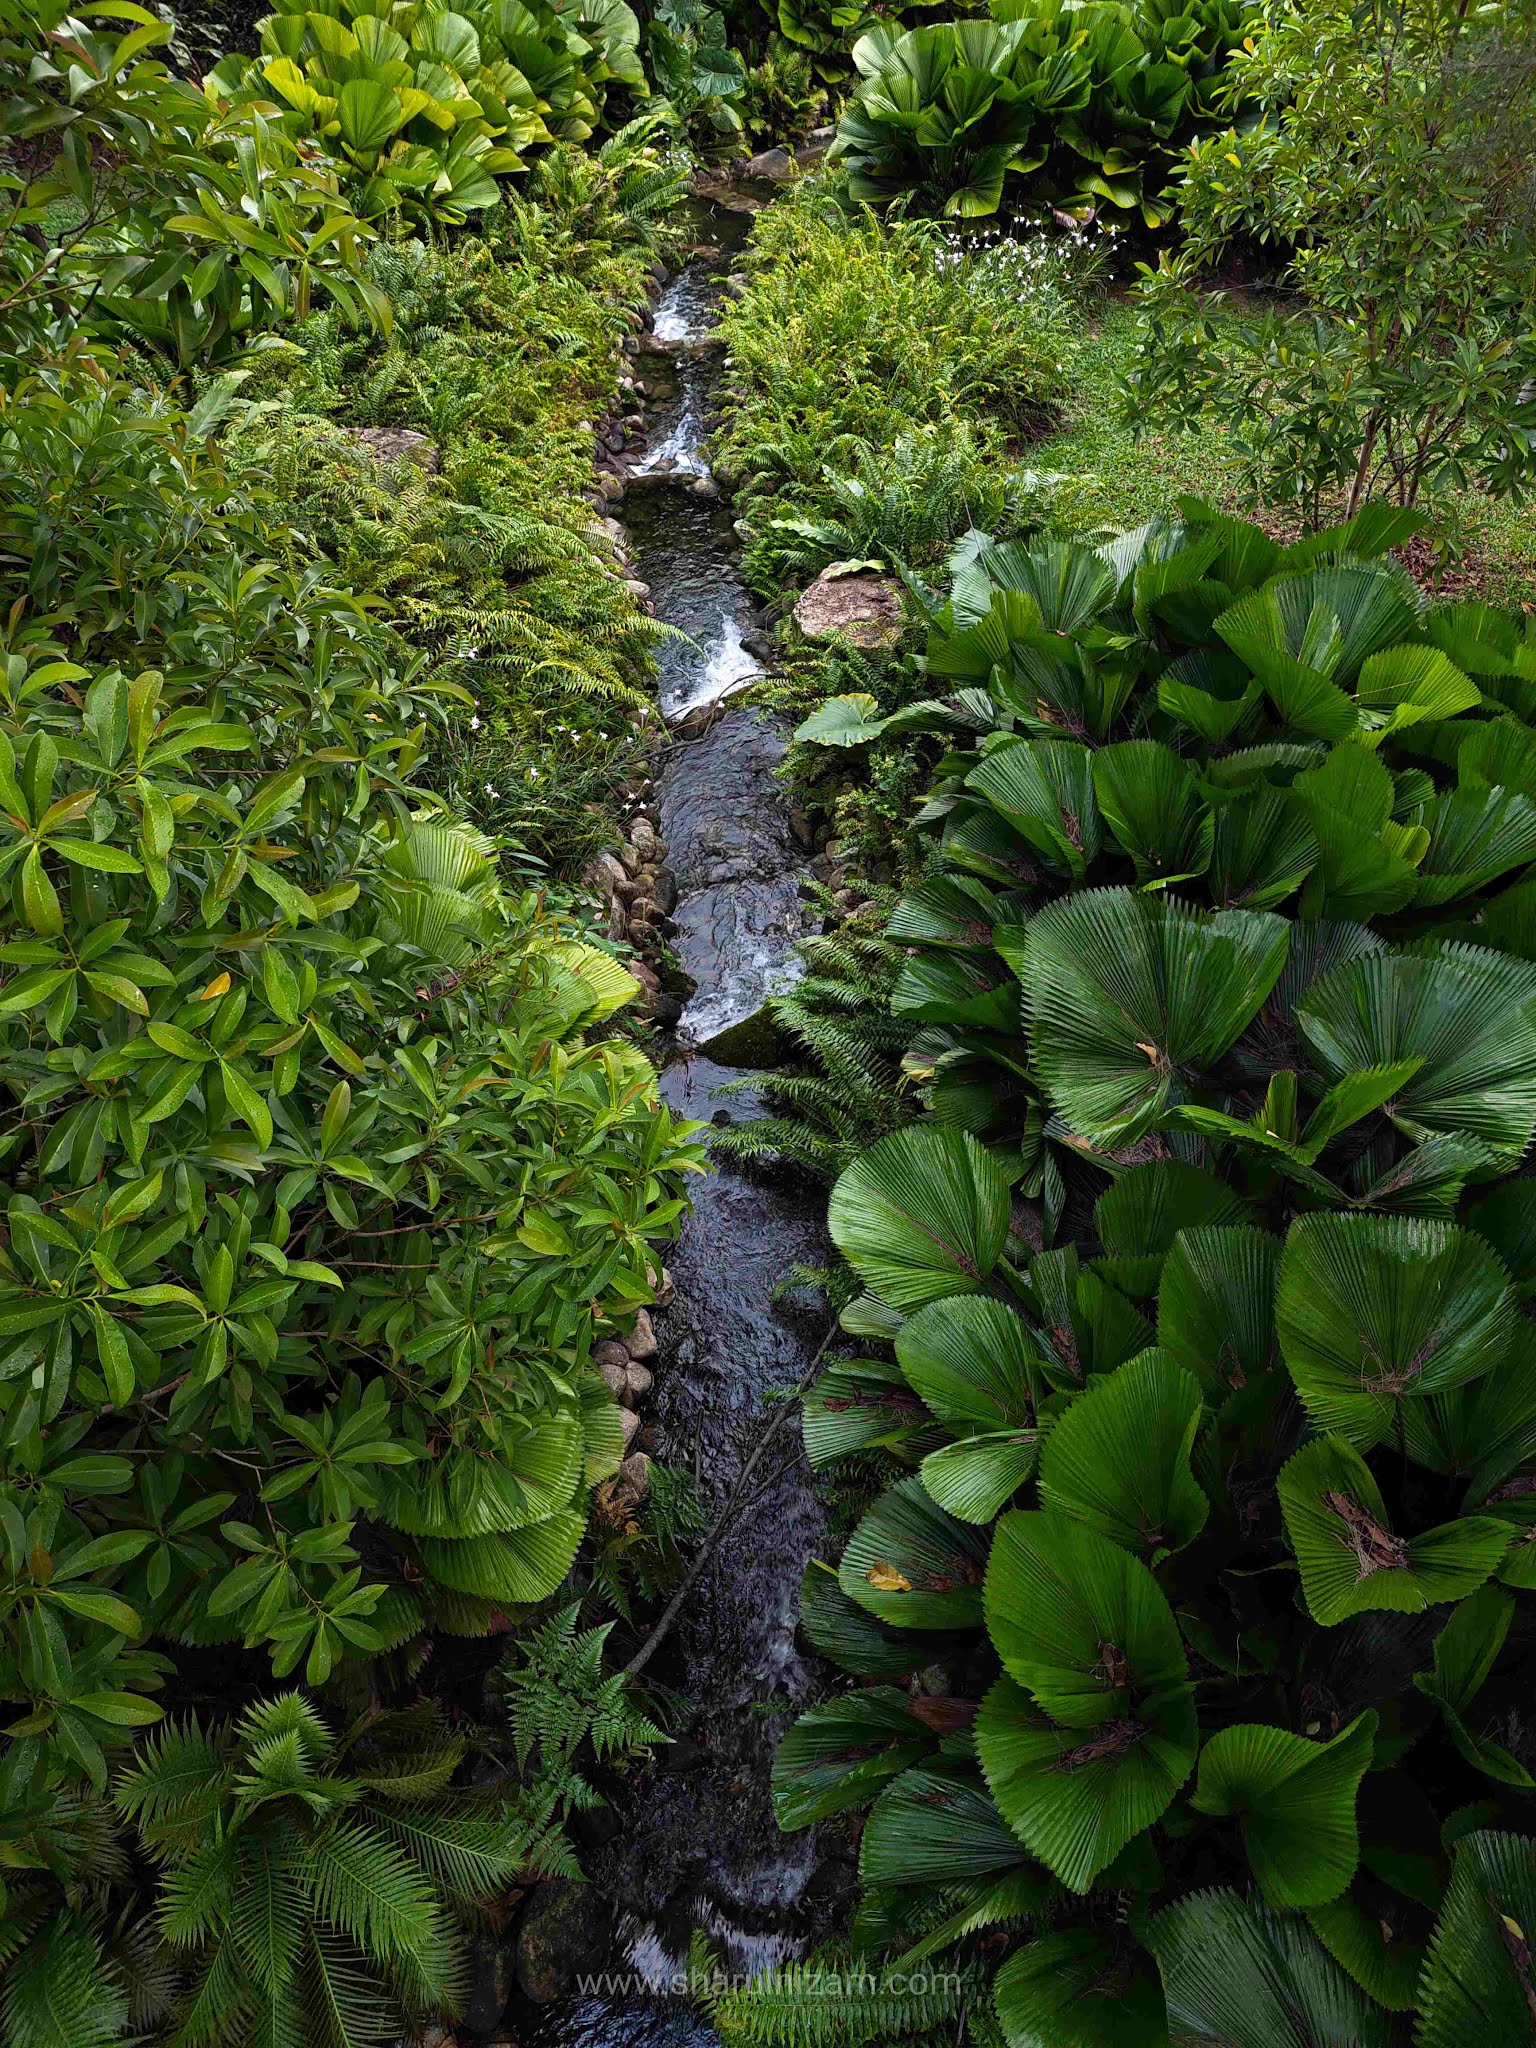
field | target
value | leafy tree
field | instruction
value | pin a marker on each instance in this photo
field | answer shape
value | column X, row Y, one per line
column 1390, row 176
column 1207, row 1444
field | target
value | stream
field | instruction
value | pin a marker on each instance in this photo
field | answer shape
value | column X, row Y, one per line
column 698, row 1849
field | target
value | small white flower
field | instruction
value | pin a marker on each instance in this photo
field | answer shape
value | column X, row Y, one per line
column 474, row 725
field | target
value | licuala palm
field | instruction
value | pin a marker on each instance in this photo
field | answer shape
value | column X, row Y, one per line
column 1192, row 1354
column 310, row 1877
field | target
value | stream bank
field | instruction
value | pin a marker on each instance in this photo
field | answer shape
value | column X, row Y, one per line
column 697, row 1848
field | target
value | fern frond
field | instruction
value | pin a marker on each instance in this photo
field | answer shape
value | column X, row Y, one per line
column 217, row 2014
column 342, row 2004
column 830, row 2003
column 58, row 1993
column 177, row 1780
column 473, row 1857
column 362, row 1884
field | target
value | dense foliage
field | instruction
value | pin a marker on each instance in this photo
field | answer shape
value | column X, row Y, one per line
column 1209, row 1426
column 426, row 107
column 878, row 379
column 143, row 210
column 1391, row 179
column 502, row 352
column 1092, row 103
column 317, row 1200
column 324, row 1170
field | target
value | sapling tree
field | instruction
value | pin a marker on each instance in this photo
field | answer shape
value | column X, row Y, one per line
column 1389, row 173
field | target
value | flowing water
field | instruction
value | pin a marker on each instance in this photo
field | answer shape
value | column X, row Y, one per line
column 698, row 1849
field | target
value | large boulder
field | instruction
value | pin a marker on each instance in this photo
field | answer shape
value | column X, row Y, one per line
column 399, row 444
column 781, row 166
column 854, row 604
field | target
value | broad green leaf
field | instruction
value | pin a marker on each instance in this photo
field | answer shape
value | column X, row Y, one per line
column 924, row 1213
column 1237, row 1975
column 911, row 1564
column 1295, row 1802
column 1079, row 1989
column 1078, row 1620
column 1128, row 994
column 1075, row 1796
column 1476, row 1986
column 1119, row 1458
column 1350, row 1559
column 839, row 1754
column 1373, row 1311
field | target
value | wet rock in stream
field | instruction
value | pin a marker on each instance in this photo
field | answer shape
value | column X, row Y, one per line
column 738, row 869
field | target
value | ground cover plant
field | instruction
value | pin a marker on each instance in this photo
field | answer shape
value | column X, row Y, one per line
column 877, row 382
column 501, row 354
column 1207, row 1444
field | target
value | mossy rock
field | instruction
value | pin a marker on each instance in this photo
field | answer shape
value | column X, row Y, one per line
column 564, row 1934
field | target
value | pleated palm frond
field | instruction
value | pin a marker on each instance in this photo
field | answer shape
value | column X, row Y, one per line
column 441, row 898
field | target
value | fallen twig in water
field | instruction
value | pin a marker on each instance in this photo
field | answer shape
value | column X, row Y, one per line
column 718, row 1527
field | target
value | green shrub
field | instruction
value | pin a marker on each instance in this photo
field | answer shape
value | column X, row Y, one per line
column 425, row 108
column 1390, row 176
column 503, row 351
column 692, row 61
column 783, row 95
column 148, row 212
column 294, row 1236
column 1210, row 1416
column 855, row 335
column 903, row 505
column 1093, row 103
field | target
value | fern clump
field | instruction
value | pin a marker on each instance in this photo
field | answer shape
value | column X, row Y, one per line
column 308, row 1877
column 566, row 1713
column 877, row 376
column 503, row 351
column 845, row 1087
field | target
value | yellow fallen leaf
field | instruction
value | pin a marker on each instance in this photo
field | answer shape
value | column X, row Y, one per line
column 219, row 986
column 886, row 1579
